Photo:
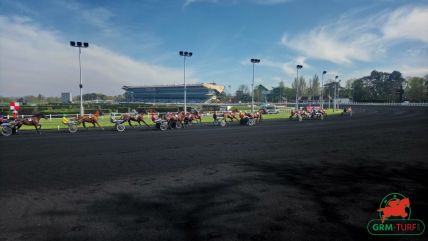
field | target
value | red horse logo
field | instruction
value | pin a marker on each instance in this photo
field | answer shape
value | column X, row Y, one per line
column 395, row 208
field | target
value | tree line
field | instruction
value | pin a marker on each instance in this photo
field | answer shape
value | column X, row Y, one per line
column 41, row 99
column 376, row 87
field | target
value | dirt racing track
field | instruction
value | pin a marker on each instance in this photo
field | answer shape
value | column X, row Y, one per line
column 282, row 180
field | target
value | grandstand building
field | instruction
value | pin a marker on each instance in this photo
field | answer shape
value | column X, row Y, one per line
column 196, row 93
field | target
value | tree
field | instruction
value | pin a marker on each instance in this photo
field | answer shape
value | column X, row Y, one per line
column 243, row 94
column 426, row 84
column 259, row 93
column 314, row 89
column 361, row 93
column 348, row 90
column 40, row 98
column 415, row 90
column 281, row 93
column 301, row 86
column 94, row 96
column 379, row 86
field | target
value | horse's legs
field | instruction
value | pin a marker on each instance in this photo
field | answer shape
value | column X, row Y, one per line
column 129, row 123
column 98, row 124
column 145, row 123
column 93, row 123
column 83, row 123
column 35, row 126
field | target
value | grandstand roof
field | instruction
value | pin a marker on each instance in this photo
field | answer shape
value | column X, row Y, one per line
column 212, row 86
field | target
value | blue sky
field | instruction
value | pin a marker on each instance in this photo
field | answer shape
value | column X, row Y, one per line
column 137, row 42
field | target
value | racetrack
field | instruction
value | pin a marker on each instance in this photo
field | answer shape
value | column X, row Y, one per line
column 282, row 180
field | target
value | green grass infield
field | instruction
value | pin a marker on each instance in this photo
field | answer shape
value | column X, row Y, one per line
column 56, row 123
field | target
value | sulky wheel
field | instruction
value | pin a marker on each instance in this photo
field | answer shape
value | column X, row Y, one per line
column 6, row 130
column 250, row 122
column 72, row 128
column 120, row 127
column 222, row 123
column 163, row 126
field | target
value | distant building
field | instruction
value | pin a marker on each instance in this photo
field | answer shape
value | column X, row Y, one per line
column 66, row 97
column 196, row 93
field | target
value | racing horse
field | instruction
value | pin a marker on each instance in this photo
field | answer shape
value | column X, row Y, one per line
column 347, row 111
column 258, row 116
column 231, row 115
column 189, row 117
column 34, row 120
column 195, row 116
column 174, row 120
column 90, row 119
column 137, row 118
column 181, row 117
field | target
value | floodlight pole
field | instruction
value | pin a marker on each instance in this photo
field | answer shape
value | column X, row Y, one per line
column 185, row 54
column 80, row 84
column 185, row 86
column 252, row 92
column 253, row 61
column 297, row 85
column 80, row 46
column 322, row 89
column 334, row 98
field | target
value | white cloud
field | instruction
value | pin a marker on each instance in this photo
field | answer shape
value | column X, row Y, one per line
column 365, row 39
column 337, row 44
column 34, row 60
column 410, row 71
column 407, row 23
column 290, row 67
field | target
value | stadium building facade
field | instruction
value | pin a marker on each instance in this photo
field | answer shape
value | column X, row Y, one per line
column 196, row 93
